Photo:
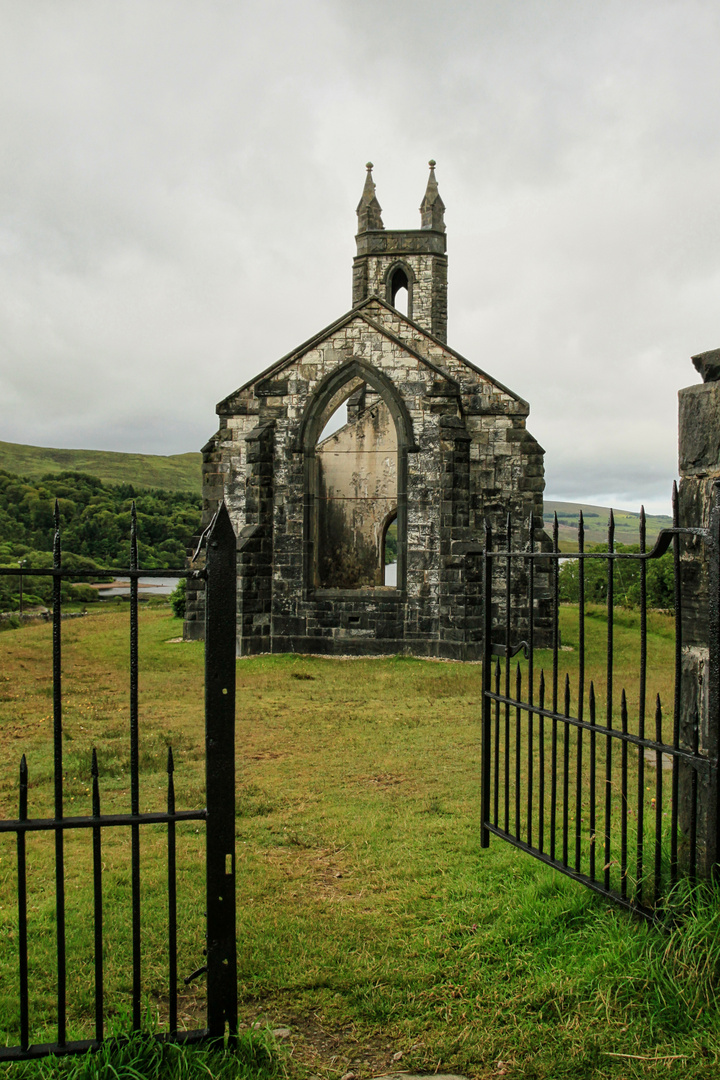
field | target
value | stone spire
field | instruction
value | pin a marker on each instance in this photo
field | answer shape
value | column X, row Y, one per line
column 369, row 208
column 432, row 208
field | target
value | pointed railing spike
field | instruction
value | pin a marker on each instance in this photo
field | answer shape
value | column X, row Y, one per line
column 23, row 788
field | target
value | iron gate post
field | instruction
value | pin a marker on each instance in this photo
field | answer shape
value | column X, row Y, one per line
column 486, row 665
column 712, row 733
column 220, row 615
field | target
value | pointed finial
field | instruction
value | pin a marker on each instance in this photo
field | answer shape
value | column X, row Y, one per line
column 369, row 210
column 432, row 207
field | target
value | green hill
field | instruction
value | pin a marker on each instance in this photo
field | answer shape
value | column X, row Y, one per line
column 181, row 472
column 176, row 472
column 595, row 519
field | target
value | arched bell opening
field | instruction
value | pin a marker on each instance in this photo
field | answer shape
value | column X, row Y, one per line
column 399, row 283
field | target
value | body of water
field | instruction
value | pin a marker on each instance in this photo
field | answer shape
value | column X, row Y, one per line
column 146, row 587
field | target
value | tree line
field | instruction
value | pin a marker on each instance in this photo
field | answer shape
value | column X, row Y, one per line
column 660, row 579
column 94, row 526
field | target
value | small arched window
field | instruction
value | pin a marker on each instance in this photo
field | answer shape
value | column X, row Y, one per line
column 399, row 289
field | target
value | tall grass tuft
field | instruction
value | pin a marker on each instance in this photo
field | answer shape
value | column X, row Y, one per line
column 142, row 1057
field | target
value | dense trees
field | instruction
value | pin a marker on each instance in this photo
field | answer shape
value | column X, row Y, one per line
column 94, row 525
column 626, row 579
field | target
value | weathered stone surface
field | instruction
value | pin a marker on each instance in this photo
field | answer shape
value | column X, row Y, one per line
column 699, row 455
column 699, row 428
column 708, row 364
column 431, row 440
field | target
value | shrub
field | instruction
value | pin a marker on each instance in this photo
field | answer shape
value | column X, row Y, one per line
column 178, row 599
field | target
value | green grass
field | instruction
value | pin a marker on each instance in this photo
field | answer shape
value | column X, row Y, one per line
column 176, row 472
column 141, row 1057
column 370, row 921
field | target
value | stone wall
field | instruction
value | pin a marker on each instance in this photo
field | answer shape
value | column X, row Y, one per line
column 463, row 454
column 699, row 494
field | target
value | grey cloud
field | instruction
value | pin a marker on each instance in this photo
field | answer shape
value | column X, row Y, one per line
column 177, row 193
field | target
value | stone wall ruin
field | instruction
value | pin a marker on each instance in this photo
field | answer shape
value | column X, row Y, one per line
column 431, row 442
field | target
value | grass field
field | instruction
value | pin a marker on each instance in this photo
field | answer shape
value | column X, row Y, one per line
column 595, row 520
column 370, row 922
column 176, row 472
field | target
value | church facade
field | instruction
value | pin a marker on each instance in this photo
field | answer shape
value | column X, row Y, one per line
column 428, row 449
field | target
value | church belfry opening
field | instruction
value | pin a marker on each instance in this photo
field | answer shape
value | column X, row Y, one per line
column 365, row 540
column 414, row 259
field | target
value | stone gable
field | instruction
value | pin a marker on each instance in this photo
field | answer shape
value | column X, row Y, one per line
column 431, row 443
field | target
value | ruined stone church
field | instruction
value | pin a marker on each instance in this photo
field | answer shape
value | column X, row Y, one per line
column 359, row 540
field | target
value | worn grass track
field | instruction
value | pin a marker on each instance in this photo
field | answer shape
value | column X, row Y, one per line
column 369, row 921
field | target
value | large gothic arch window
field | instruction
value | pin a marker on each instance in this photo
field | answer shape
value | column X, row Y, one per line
column 355, row 481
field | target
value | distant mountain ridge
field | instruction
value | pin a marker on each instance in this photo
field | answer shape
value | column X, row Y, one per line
column 174, row 472
column 181, row 472
column 595, row 521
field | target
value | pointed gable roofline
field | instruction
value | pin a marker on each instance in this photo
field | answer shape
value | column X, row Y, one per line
column 224, row 406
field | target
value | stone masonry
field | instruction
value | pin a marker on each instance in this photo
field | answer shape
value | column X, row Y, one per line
column 454, row 442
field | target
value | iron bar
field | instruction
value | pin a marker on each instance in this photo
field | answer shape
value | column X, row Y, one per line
column 518, row 749
column 496, row 792
column 22, row 910
column 658, row 800
column 103, row 571
column 172, row 898
column 593, row 777
column 581, row 688
column 639, row 864
column 614, row 733
column 220, row 622
column 486, row 704
column 508, row 576
column 58, row 785
column 105, row 821
column 566, row 771
column 134, row 777
column 694, row 802
column 609, row 698
column 584, row 879
column 97, row 898
column 541, row 764
column 623, row 796
column 531, row 675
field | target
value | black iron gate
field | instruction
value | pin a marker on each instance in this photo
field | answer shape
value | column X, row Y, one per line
column 600, row 783
column 218, row 817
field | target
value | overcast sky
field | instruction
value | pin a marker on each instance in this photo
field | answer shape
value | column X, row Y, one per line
column 178, row 183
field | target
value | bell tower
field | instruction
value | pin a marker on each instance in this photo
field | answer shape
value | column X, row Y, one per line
column 388, row 260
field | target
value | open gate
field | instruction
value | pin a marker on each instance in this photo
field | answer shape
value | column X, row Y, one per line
column 601, row 782
column 218, row 817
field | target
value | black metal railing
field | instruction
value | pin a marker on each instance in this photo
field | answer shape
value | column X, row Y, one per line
column 218, row 817
column 592, row 779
